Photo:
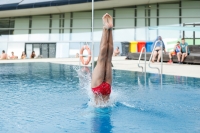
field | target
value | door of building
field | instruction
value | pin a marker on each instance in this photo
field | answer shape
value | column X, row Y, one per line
column 44, row 50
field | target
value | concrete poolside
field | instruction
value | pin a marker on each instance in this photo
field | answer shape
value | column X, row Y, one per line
column 131, row 65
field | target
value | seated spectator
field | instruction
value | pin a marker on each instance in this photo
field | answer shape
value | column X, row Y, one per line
column 184, row 49
column 116, row 52
column 176, row 51
column 157, row 50
column 23, row 56
column 12, row 56
column 77, row 55
column 33, row 55
column 4, row 55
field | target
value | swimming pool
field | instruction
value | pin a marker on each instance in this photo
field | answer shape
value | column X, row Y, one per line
column 54, row 98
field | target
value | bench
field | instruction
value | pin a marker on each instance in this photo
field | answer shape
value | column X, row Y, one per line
column 193, row 58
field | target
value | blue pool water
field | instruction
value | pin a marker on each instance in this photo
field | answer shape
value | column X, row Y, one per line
column 54, row 98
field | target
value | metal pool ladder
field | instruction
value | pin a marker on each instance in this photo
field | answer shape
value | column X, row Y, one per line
column 159, row 72
column 145, row 56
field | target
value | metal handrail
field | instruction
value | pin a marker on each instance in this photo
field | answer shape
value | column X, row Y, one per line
column 143, row 49
column 160, row 72
column 145, row 59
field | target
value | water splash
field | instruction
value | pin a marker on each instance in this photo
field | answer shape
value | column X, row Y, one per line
column 84, row 76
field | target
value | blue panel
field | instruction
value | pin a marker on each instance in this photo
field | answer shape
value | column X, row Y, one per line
column 9, row 4
column 25, row 4
column 39, row 1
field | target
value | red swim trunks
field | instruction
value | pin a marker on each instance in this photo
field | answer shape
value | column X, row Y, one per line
column 103, row 89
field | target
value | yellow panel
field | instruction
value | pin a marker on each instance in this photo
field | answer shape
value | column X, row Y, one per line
column 133, row 46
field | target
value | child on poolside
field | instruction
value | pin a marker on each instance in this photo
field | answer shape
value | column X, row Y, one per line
column 176, row 51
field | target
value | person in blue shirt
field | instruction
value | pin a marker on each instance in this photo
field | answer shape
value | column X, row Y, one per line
column 176, row 51
column 157, row 50
column 184, row 50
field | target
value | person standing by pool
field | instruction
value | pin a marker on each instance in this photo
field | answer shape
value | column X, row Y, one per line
column 4, row 55
column 157, row 50
column 184, row 49
column 102, row 74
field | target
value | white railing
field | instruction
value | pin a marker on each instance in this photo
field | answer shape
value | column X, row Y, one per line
column 159, row 72
column 145, row 58
column 143, row 49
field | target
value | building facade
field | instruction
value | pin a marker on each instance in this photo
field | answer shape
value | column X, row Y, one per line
column 60, row 35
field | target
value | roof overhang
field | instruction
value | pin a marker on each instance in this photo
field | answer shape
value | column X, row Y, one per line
column 78, row 7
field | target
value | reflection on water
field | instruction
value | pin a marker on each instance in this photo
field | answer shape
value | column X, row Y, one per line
column 101, row 121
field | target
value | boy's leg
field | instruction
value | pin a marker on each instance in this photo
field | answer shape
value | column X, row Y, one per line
column 98, row 75
column 179, row 56
column 108, row 75
column 183, row 57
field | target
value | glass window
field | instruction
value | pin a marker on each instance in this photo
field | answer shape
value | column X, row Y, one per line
column 140, row 16
column 4, row 23
column 98, row 23
column 81, row 26
column 55, row 35
column 66, row 34
column 40, row 28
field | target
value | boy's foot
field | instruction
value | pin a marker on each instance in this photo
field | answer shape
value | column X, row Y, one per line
column 107, row 21
column 110, row 20
column 170, row 62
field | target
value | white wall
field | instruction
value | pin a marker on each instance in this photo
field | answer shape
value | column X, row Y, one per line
column 17, row 48
column 62, row 50
column 3, row 46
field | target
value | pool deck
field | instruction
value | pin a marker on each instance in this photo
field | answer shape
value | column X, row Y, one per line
column 131, row 65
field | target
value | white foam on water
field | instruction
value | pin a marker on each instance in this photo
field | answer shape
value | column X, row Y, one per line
column 110, row 103
column 85, row 83
column 128, row 105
